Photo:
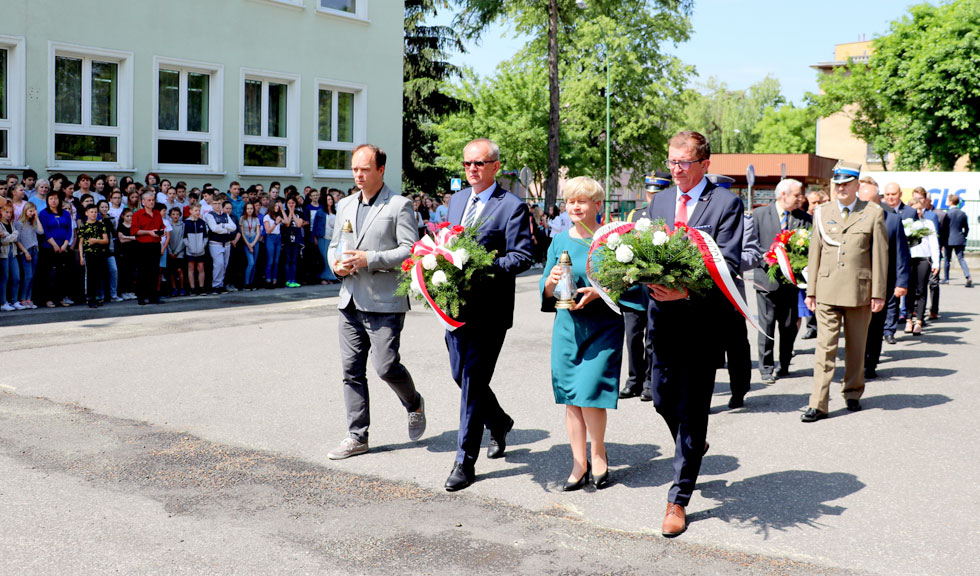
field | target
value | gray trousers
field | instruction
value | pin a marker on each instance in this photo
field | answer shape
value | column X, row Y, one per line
column 359, row 333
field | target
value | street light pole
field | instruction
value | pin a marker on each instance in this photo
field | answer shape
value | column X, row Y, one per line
column 582, row 5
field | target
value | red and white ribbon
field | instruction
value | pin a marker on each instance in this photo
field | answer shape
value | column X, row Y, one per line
column 782, row 258
column 437, row 247
column 714, row 260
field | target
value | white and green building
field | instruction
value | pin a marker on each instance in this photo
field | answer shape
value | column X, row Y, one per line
column 200, row 90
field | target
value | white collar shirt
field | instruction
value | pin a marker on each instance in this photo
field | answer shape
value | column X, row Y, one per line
column 694, row 194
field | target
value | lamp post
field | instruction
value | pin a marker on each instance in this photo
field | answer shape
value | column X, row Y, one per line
column 583, row 5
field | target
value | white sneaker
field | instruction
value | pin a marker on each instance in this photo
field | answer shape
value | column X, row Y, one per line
column 117, row 299
column 7, row 308
column 19, row 306
column 69, row 301
column 348, row 447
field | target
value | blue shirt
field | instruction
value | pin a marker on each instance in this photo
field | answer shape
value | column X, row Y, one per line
column 442, row 212
column 237, row 207
column 57, row 228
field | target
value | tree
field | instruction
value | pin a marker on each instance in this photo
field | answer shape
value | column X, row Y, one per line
column 919, row 94
column 729, row 117
column 786, row 130
column 423, row 100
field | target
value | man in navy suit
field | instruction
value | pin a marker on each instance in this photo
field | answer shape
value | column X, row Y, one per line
column 959, row 228
column 898, row 277
column 489, row 310
column 893, row 203
column 684, row 326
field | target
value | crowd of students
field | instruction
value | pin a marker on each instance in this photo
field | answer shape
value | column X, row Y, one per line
column 99, row 240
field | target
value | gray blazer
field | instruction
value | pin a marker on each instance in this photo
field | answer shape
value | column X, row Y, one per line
column 387, row 236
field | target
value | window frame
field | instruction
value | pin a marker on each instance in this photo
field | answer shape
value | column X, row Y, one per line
column 289, row 3
column 16, row 102
column 215, row 134
column 359, row 15
column 123, row 131
column 359, row 117
column 293, row 122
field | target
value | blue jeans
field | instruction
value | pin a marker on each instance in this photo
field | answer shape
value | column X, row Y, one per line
column 958, row 250
column 9, row 280
column 273, row 246
column 250, row 257
column 27, row 273
column 292, row 258
column 113, row 279
column 322, row 244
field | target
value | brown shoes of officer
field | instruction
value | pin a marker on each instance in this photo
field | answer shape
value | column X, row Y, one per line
column 675, row 521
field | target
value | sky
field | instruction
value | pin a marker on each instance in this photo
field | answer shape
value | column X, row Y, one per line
column 740, row 41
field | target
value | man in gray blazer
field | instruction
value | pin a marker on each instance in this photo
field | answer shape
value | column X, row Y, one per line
column 371, row 316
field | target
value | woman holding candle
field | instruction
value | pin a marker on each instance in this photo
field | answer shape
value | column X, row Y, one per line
column 587, row 340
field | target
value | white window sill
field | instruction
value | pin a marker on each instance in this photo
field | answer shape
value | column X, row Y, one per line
column 89, row 166
column 347, row 16
column 276, row 172
column 299, row 4
column 333, row 174
column 8, row 166
column 184, row 170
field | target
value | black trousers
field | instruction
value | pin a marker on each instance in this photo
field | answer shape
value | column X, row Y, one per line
column 738, row 352
column 147, row 270
column 53, row 274
column 918, row 288
column 96, row 276
column 876, row 333
column 777, row 309
column 636, row 329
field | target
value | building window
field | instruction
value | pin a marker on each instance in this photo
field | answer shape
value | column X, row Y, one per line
column 92, row 103
column 11, row 101
column 356, row 9
column 341, row 124
column 270, row 124
column 187, row 137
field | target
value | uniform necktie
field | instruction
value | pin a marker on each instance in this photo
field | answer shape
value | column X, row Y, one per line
column 784, row 220
column 846, row 212
column 471, row 212
column 682, row 209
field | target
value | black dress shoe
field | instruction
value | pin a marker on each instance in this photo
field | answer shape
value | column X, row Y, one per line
column 854, row 405
column 870, row 373
column 646, row 397
column 461, row 477
column 812, row 415
column 498, row 441
column 601, row 481
column 736, row 401
column 890, row 338
column 782, row 373
column 580, row 483
column 628, row 393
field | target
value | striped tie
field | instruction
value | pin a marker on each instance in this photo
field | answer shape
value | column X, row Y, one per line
column 784, row 221
column 471, row 212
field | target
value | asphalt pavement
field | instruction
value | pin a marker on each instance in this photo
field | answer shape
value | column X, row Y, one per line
column 192, row 438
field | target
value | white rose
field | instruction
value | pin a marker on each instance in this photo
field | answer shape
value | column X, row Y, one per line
column 429, row 261
column 439, row 278
column 613, row 240
column 660, row 238
column 643, row 224
column 624, row 254
column 462, row 256
column 917, row 225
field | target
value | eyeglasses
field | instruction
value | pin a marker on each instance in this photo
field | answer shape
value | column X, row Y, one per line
column 685, row 164
column 477, row 163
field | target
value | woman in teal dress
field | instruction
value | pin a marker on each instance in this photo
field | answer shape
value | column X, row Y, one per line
column 586, row 341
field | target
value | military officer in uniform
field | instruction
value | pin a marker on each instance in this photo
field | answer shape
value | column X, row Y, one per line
column 639, row 347
column 848, row 274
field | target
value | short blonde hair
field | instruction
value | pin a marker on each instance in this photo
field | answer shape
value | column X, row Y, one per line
column 583, row 187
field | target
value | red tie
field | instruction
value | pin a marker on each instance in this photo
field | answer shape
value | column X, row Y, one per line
column 682, row 209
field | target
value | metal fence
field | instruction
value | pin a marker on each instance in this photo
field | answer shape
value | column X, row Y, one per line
column 972, row 209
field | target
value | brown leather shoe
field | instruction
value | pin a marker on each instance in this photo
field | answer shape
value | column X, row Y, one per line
column 675, row 521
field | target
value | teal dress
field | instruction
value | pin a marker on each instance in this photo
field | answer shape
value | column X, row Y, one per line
column 586, row 345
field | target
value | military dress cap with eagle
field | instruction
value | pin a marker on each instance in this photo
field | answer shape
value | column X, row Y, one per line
column 657, row 181
column 845, row 172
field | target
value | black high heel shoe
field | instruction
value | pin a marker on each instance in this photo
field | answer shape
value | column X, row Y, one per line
column 581, row 482
column 601, row 481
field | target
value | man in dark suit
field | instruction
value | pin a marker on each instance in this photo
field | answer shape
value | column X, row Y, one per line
column 489, row 310
column 898, row 277
column 778, row 302
column 959, row 228
column 893, row 203
column 686, row 340
column 639, row 348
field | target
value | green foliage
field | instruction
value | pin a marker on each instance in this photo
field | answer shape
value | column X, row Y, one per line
column 797, row 245
column 919, row 94
column 728, row 117
column 659, row 257
column 786, row 130
column 450, row 296
column 424, row 101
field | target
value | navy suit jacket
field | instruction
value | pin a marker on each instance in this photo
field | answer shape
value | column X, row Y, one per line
column 904, row 210
column 898, row 253
column 959, row 227
column 685, row 326
column 503, row 229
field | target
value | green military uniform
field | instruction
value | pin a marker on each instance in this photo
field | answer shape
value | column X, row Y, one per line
column 848, row 266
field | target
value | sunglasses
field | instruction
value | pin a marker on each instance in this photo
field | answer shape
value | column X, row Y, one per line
column 477, row 163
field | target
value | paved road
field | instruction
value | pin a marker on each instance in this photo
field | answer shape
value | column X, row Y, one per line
column 194, row 441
